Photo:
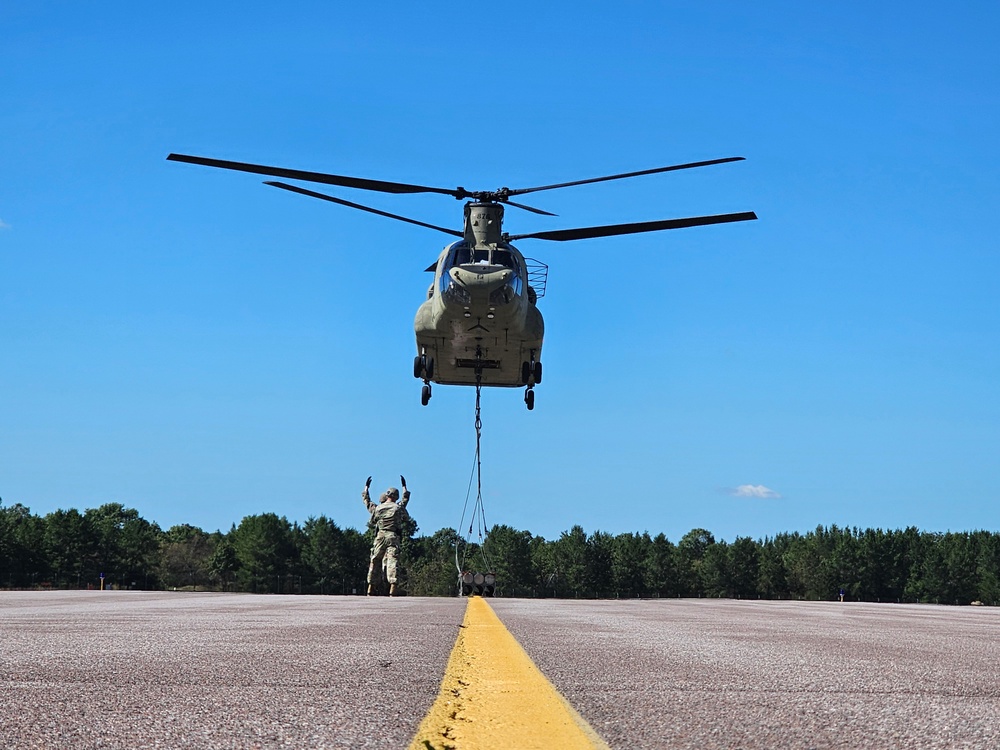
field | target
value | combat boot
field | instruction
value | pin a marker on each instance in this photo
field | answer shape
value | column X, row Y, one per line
column 392, row 589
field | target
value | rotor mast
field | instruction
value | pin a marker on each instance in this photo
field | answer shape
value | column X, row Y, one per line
column 483, row 224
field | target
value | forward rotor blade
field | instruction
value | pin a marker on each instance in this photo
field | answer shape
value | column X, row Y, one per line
column 331, row 199
column 562, row 235
column 361, row 183
column 673, row 168
column 530, row 208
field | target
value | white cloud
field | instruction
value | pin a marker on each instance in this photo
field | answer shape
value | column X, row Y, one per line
column 754, row 490
column 4, row 225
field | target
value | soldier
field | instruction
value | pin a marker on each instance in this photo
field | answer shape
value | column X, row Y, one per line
column 388, row 516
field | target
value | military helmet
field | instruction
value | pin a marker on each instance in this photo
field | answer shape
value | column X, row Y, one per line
column 391, row 492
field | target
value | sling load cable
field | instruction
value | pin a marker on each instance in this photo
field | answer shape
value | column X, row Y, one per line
column 481, row 516
column 478, row 519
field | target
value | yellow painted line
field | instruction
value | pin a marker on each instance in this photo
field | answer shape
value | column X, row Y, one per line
column 493, row 696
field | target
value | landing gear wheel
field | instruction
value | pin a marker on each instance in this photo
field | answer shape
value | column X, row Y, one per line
column 423, row 367
column 529, row 399
column 538, row 372
column 425, row 394
column 525, row 373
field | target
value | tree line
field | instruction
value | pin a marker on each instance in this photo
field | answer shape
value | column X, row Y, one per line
column 266, row 553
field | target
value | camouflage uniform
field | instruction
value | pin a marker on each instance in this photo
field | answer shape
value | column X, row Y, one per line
column 388, row 516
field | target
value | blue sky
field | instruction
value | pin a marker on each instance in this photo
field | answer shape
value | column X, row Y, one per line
column 201, row 347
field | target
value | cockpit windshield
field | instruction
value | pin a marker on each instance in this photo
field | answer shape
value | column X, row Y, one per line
column 462, row 255
column 483, row 260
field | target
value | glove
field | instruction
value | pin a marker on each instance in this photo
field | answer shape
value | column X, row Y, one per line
column 402, row 481
column 368, row 483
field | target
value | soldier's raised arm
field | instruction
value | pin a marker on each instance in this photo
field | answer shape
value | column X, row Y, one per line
column 406, row 492
column 364, row 495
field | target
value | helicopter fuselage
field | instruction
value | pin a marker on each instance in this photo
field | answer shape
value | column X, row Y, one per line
column 479, row 323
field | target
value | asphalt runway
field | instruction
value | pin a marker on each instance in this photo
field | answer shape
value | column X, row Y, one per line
column 175, row 670
column 731, row 674
column 145, row 670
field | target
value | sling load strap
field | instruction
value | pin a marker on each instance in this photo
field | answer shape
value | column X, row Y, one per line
column 478, row 518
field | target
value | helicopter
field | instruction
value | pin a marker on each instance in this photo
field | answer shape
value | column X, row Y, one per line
column 480, row 324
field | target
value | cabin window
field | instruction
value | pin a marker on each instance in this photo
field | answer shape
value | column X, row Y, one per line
column 464, row 256
column 504, row 258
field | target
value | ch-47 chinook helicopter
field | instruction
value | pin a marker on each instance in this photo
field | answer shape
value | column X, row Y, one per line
column 480, row 324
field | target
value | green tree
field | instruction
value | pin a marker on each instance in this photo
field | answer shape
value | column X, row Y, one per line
column 356, row 553
column 323, row 554
column 598, row 573
column 223, row 564
column 875, row 566
column 841, row 565
column 6, row 549
column 628, row 563
column 126, row 546
column 543, row 567
column 715, row 572
column 432, row 570
column 691, row 551
column 811, row 568
column 661, row 567
column 988, row 568
column 67, row 545
column 929, row 572
column 509, row 551
column 771, row 579
column 22, row 557
column 264, row 549
column 744, row 567
column 962, row 581
column 568, row 563
column 185, row 555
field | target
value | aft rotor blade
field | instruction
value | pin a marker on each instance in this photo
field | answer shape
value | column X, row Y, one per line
column 530, row 208
column 673, row 168
column 562, row 235
column 361, row 183
column 331, row 199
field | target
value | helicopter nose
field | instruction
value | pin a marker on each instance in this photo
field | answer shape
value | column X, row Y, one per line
column 480, row 280
column 486, row 289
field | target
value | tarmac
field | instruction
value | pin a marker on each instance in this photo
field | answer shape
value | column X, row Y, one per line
column 198, row 670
